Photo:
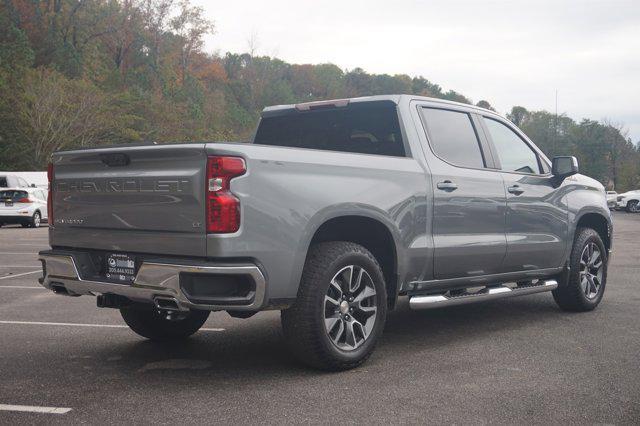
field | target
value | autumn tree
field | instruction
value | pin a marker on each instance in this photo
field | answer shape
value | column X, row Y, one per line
column 58, row 113
column 190, row 26
column 75, row 73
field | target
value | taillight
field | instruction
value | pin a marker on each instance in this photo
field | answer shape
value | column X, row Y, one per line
column 223, row 208
column 24, row 200
column 50, row 197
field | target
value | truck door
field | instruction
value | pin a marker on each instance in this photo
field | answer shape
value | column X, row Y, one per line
column 537, row 213
column 468, row 196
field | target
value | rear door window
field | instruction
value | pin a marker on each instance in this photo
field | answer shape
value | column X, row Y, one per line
column 453, row 137
column 11, row 195
column 368, row 128
column 514, row 153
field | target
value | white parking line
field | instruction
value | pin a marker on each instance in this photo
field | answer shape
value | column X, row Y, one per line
column 19, row 275
column 13, row 252
column 22, row 286
column 72, row 324
column 63, row 324
column 19, row 266
column 34, row 409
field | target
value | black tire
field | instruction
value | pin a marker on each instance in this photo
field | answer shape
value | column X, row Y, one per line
column 150, row 323
column 35, row 220
column 304, row 322
column 632, row 206
column 570, row 295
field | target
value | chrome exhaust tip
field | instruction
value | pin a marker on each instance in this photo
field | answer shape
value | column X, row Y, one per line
column 168, row 304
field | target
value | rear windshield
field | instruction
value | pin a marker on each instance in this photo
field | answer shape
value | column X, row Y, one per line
column 368, row 128
column 12, row 195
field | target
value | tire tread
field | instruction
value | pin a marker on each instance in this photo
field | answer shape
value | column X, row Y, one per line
column 146, row 322
column 569, row 294
column 299, row 327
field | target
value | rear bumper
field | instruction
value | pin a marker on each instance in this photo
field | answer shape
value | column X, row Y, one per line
column 11, row 219
column 155, row 282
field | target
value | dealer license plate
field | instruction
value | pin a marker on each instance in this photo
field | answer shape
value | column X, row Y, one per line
column 120, row 267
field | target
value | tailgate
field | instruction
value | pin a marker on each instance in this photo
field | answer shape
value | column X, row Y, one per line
column 147, row 199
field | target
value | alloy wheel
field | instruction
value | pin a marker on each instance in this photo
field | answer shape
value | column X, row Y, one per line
column 591, row 270
column 350, row 308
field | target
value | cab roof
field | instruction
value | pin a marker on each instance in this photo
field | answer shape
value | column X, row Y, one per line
column 396, row 99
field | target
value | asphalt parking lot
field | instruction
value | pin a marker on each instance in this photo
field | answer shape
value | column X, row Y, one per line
column 520, row 360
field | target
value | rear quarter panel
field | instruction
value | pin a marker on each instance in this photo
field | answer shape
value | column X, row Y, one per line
column 287, row 194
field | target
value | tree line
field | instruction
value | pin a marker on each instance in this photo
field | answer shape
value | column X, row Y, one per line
column 76, row 73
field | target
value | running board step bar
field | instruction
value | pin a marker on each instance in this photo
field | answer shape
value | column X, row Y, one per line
column 488, row 293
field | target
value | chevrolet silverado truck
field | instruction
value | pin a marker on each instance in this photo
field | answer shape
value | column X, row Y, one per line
column 334, row 211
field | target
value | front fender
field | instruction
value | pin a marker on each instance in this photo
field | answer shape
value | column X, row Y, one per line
column 583, row 200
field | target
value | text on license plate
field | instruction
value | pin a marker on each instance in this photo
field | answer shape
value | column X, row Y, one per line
column 120, row 267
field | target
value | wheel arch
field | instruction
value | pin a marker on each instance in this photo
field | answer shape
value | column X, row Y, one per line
column 371, row 231
column 599, row 223
column 631, row 200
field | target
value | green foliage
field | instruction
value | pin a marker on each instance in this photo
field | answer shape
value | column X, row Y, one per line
column 88, row 72
column 603, row 149
column 485, row 104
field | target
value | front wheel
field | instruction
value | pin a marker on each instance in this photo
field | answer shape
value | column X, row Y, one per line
column 341, row 307
column 633, row 206
column 583, row 287
column 158, row 325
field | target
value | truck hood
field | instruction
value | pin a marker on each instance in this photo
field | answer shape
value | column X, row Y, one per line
column 587, row 181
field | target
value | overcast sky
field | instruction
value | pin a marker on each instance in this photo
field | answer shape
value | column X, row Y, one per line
column 507, row 52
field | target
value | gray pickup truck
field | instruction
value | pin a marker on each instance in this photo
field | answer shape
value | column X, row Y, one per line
column 334, row 210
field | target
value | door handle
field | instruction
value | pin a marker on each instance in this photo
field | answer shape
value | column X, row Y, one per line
column 447, row 185
column 515, row 189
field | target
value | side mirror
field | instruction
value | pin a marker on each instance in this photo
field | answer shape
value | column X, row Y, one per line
column 563, row 167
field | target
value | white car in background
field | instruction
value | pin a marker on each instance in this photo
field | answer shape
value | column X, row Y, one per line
column 629, row 201
column 24, row 206
column 12, row 181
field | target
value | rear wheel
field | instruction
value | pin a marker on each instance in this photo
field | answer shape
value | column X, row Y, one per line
column 341, row 307
column 633, row 206
column 158, row 325
column 583, row 287
column 35, row 220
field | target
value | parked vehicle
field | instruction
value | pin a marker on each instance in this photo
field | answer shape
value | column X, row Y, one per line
column 629, row 201
column 25, row 206
column 33, row 178
column 612, row 199
column 12, row 181
column 335, row 210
